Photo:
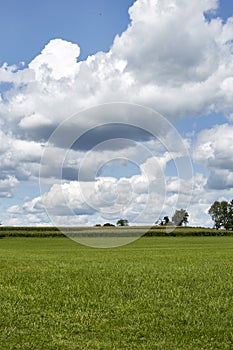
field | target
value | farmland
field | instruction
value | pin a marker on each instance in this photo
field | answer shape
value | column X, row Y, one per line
column 130, row 231
column 156, row 293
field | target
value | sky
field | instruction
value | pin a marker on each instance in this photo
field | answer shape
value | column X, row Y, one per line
column 115, row 109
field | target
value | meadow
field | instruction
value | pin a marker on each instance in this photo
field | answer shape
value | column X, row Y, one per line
column 156, row 293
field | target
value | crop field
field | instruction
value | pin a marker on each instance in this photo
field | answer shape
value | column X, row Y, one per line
column 156, row 293
column 127, row 231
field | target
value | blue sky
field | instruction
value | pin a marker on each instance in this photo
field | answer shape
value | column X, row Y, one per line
column 225, row 9
column 171, row 56
column 26, row 26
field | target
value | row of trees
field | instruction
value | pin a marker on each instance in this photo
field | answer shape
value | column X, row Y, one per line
column 179, row 218
column 120, row 222
column 222, row 214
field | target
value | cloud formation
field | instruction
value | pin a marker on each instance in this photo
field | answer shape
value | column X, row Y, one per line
column 214, row 150
column 180, row 70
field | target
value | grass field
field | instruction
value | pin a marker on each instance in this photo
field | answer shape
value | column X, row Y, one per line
column 157, row 293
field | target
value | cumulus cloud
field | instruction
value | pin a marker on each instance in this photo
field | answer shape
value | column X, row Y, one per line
column 141, row 198
column 214, row 150
column 190, row 54
column 16, row 74
column 19, row 159
column 220, row 179
column 7, row 186
column 58, row 60
column 214, row 147
column 177, row 69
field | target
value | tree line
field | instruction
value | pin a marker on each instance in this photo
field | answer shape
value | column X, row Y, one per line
column 220, row 212
column 179, row 218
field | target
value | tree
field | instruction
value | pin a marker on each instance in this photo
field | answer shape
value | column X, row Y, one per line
column 225, row 208
column 216, row 215
column 165, row 221
column 180, row 217
column 122, row 222
column 222, row 214
column 230, row 216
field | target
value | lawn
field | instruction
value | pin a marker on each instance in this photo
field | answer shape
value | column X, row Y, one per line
column 156, row 293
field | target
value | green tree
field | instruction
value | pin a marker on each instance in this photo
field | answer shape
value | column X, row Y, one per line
column 216, row 214
column 180, row 217
column 225, row 208
column 222, row 214
column 230, row 216
column 122, row 222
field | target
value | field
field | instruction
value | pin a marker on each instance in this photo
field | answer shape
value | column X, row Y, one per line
column 156, row 293
column 130, row 231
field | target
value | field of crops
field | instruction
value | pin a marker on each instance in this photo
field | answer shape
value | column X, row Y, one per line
column 156, row 293
column 127, row 231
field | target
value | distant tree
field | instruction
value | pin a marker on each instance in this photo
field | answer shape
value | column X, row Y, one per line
column 161, row 222
column 108, row 224
column 222, row 214
column 216, row 214
column 164, row 221
column 122, row 222
column 97, row 225
column 180, row 217
column 225, row 209
column 230, row 216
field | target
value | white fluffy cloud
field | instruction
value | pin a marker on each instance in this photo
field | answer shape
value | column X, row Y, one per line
column 19, row 158
column 58, row 60
column 179, row 70
column 214, row 150
column 174, row 53
column 12, row 74
column 7, row 186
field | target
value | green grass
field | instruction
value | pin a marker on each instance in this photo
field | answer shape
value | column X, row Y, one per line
column 157, row 293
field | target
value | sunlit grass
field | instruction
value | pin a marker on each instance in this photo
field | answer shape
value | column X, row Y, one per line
column 157, row 293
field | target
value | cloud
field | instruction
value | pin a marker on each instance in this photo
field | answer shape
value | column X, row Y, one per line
column 174, row 53
column 214, row 150
column 179, row 70
column 220, row 179
column 186, row 65
column 34, row 121
column 214, row 147
column 7, row 185
column 17, row 75
column 19, row 159
column 141, row 198
column 57, row 60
